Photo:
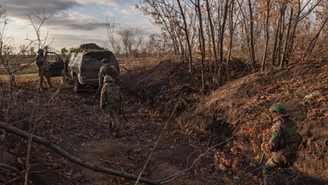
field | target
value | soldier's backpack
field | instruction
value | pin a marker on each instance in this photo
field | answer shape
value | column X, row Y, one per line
column 111, row 71
column 291, row 138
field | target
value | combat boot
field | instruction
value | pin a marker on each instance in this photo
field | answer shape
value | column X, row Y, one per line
column 267, row 176
column 111, row 126
column 289, row 176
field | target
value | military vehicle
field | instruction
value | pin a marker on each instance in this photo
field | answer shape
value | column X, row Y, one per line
column 82, row 65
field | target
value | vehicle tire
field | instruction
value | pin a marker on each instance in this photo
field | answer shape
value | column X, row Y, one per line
column 76, row 84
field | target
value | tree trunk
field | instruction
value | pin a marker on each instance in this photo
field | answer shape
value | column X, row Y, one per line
column 231, row 31
column 267, row 35
column 284, row 52
column 276, row 44
column 224, row 20
column 212, row 36
column 313, row 41
column 202, row 41
column 251, row 36
column 187, row 36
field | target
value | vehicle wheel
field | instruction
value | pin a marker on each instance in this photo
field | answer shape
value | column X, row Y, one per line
column 76, row 84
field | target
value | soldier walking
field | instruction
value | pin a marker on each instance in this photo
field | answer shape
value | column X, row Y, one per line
column 282, row 146
column 110, row 96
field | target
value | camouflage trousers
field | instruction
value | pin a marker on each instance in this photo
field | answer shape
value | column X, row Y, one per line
column 279, row 164
column 44, row 73
column 110, row 100
column 113, row 121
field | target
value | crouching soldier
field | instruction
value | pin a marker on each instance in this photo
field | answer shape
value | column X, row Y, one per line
column 282, row 146
column 111, row 101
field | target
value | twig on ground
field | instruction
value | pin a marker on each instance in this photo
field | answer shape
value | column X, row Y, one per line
column 172, row 177
column 16, row 171
column 158, row 139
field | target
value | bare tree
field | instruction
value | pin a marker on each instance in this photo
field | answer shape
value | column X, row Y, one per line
column 314, row 40
column 212, row 33
column 187, row 35
column 201, row 40
column 36, row 21
column 267, row 34
column 231, row 33
column 31, row 50
column 308, row 7
column 130, row 38
column 251, row 35
column 23, row 49
column 223, row 24
column 112, row 39
column 164, row 16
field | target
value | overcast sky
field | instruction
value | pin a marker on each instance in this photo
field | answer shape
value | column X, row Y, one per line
column 72, row 22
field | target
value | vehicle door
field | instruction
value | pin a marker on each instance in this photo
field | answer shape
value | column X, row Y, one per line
column 55, row 64
column 74, row 65
column 90, row 67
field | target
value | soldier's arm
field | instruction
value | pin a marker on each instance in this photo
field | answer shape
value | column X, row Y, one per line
column 276, row 133
column 101, row 76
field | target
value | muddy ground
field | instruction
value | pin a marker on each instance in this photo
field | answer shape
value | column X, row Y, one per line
column 214, row 137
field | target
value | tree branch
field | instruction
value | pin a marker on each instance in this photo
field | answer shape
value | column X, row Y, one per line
column 72, row 158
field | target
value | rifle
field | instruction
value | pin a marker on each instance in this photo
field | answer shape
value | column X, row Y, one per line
column 97, row 92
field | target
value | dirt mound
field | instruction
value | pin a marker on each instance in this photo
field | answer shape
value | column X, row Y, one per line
column 164, row 87
column 242, row 107
column 169, row 85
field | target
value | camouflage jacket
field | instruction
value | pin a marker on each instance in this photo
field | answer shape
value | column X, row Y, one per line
column 110, row 97
column 284, row 134
column 39, row 60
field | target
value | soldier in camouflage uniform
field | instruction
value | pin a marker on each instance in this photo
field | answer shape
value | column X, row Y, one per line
column 111, row 97
column 42, row 69
column 282, row 146
column 105, row 69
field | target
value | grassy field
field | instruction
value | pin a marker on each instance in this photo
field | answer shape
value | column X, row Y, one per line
column 25, row 76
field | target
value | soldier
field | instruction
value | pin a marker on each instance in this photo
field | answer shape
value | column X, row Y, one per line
column 282, row 146
column 42, row 69
column 106, row 70
column 111, row 98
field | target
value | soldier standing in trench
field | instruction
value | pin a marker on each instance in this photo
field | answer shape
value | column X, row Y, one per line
column 282, row 146
column 42, row 69
column 110, row 96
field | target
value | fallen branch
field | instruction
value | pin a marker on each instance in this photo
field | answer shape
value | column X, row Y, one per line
column 72, row 158
column 14, row 170
column 13, row 180
column 11, row 168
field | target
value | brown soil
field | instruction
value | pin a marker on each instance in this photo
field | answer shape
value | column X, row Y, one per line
column 199, row 122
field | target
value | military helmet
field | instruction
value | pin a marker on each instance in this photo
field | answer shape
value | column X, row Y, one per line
column 278, row 107
column 104, row 61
